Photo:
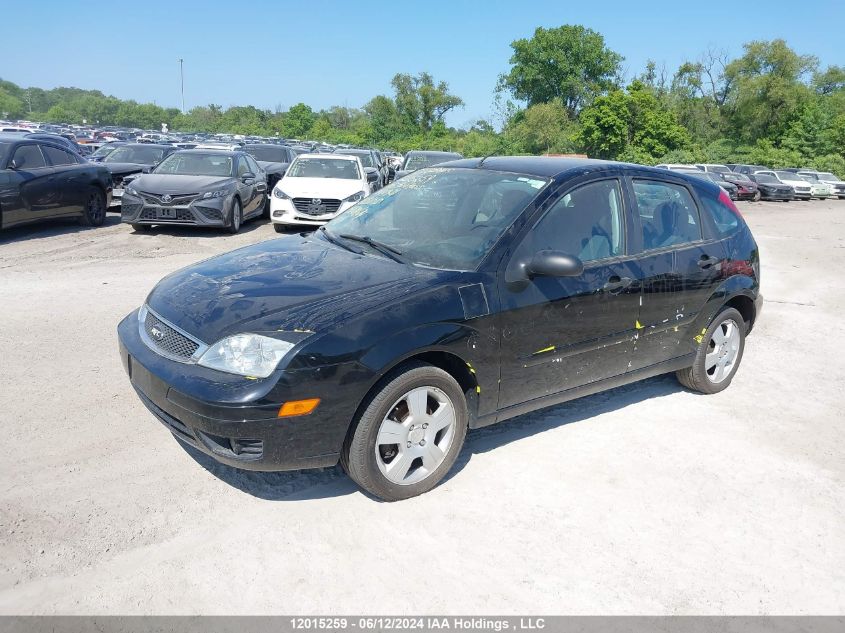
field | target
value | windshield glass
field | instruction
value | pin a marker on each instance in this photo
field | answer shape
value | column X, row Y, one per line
column 826, row 175
column 195, row 164
column 418, row 161
column 269, row 154
column 810, row 177
column 737, row 177
column 443, row 218
column 141, row 155
column 366, row 157
column 105, row 150
column 765, row 178
column 788, row 175
column 342, row 168
column 719, row 169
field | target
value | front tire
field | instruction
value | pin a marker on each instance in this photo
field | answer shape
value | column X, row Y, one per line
column 280, row 228
column 237, row 217
column 409, row 433
column 718, row 355
column 757, row 196
column 95, row 209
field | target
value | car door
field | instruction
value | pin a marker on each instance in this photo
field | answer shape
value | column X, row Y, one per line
column 259, row 185
column 675, row 268
column 70, row 179
column 563, row 332
column 246, row 188
column 38, row 196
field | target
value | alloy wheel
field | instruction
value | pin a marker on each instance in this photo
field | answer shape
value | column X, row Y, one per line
column 722, row 351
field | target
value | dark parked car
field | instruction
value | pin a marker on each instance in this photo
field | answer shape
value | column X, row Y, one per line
column 419, row 159
column 197, row 187
column 104, row 150
column 745, row 169
column 771, row 188
column 454, row 298
column 58, row 139
column 133, row 158
column 273, row 159
column 732, row 189
column 40, row 179
column 372, row 165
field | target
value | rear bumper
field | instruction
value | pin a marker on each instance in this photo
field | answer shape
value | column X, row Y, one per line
column 234, row 419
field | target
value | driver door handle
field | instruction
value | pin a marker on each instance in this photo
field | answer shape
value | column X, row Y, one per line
column 617, row 284
column 705, row 261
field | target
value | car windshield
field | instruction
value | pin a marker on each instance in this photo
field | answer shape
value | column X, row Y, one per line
column 719, row 169
column 366, row 157
column 105, row 150
column 766, row 178
column 810, row 177
column 788, row 175
column 141, row 155
column 739, row 177
column 195, row 164
column 419, row 161
column 441, row 218
column 826, row 175
column 269, row 153
column 342, row 168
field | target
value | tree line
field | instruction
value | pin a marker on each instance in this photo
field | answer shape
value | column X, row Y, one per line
column 563, row 93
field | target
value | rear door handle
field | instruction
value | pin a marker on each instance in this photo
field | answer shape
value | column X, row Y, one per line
column 706, row 261
column 617, row 284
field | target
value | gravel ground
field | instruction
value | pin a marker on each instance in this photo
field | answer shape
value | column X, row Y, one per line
column 643, row 500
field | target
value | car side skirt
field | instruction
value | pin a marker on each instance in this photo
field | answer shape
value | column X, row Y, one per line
column 664, row 367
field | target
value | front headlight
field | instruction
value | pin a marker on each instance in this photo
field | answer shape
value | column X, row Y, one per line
column 246, row 355
column 355, row 197
column 220, row 193
column 281, row 195
column 130, row 190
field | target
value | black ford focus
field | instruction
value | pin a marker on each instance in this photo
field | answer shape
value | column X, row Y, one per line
column 458, row 297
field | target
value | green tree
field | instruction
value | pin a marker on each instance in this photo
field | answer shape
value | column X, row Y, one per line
column 297, row 121
column 10, row 105
column 544, row 128
column 420, row 102
column 570, row 63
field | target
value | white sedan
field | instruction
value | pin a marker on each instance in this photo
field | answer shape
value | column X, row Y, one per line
column 317, row 188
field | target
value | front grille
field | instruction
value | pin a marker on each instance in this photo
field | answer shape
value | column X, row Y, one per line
column 168, row 341
column 215, row 215
column 182, row 215
column 310, row 206
column 158, row 199
column 129, row 209
column 803, row 189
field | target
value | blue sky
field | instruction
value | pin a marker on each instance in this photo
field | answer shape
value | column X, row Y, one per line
column 323, row 53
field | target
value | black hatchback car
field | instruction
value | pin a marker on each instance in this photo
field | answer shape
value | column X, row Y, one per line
column 457, row 297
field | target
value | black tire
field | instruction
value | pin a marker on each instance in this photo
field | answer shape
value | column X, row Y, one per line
column 237, row 217
column 94, row 213
column 359, row 451
column 757, row 196
column 697, row 377
column 280, row 228
column 140, row 228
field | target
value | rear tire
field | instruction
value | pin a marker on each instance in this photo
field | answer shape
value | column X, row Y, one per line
column 425, row 410
column 94, row 213
column 718, row 355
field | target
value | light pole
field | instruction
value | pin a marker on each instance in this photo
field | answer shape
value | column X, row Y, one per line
column 182, row 78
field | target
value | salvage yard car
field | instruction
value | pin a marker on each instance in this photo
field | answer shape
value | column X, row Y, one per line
column 457, row 297
column 133, row 158
column 194, row 187
column 419, row 159
column 318, row 187
column 771, row 188
column 41, row 180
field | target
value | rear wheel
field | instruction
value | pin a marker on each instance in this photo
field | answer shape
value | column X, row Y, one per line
column 718, row 356
column 237, row 217
column 409, row 433
column 95, row 209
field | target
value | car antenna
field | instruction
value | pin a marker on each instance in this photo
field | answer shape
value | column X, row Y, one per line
column 481, row 162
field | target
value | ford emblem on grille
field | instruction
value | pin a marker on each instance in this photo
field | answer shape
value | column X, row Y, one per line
column 156, row 333
column 166, row 198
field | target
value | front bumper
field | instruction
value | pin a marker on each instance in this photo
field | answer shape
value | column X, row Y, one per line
column 189, row 211
column 282, row 211
column 234, row 419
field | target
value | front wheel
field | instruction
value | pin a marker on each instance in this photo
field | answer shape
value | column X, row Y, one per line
column 757, row 196
column 95, row 210
column 280, row 228
column 237, row 217
column 409, row 434
column 718, row 355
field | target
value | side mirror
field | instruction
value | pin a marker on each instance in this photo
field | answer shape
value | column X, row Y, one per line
column 247, row 177
column 553, row 264
column 372, row 176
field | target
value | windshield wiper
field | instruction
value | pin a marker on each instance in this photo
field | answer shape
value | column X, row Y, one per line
column 331, row 238
column 384, row 249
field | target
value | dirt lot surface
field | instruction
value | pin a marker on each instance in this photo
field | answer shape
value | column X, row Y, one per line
column 647, row 499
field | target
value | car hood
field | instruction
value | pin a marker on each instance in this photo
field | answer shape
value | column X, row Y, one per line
column 795, row 183
column 292, row 284
column 119, row 169
column 339, row 188
column 173, row 184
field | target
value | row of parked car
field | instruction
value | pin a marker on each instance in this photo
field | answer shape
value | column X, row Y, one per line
column 756, row 182
column 213, row 184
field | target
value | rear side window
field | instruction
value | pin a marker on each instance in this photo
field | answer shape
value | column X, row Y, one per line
column 57, row 156
column 668, row 214
column 724, row 219
column 28, row 157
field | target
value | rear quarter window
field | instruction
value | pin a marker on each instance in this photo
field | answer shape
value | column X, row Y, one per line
column 725, row 220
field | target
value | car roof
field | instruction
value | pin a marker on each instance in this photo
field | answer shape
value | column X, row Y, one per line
column 543, row 166
column 223, row 152
column 335, row 156
column 426, row 152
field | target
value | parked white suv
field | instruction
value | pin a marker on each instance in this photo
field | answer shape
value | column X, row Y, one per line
column 316, row 188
